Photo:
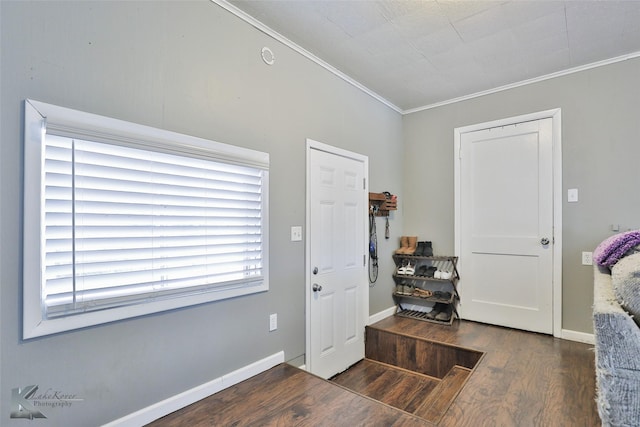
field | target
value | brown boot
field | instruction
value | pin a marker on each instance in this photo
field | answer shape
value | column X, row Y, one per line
column 413, row 245
column 404, row 244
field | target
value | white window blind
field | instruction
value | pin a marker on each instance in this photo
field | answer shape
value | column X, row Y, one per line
column 123, row 225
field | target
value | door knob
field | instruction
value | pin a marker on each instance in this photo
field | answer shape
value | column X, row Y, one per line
column 544, row 241
column 316, row 287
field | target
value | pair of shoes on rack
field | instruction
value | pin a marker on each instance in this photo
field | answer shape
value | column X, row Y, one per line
column 408, row 269
column 408, row 245
column 440, row 312
column 442, row 295
column 440, row 274
column 427, row 270
column 422, row 293
column 424, row 249
column 404, row 288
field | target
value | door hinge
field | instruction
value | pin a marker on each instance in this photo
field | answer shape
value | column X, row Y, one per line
column 364, row 183
column 364, row 260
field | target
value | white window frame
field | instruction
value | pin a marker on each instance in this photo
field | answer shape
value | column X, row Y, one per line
column 39, row 116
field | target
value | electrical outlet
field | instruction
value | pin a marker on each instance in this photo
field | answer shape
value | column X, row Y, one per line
column 587, row 258
column 273, row 322
column 572, row 195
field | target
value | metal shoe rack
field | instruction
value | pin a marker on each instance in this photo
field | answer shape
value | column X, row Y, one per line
column 423, row 289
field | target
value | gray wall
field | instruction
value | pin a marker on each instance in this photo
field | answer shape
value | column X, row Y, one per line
column 600, row 152
column 193, row 68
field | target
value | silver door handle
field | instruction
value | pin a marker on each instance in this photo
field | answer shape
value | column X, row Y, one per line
column 316, row 287
column 544, row 241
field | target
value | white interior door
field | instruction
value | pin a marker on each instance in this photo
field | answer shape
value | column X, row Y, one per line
column 337, row 287
column 506, row 225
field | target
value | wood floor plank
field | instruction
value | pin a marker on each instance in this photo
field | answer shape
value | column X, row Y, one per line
column 393, row 386
column 436, row 404
column 360, row 375
column 523, row 379
column 416, row 353
column 287, row 396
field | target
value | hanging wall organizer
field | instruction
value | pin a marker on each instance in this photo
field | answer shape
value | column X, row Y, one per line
column 382, row 203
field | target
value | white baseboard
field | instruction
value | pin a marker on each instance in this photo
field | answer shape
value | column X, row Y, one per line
column 578, row 336
column 172, row 404
column 382, row 315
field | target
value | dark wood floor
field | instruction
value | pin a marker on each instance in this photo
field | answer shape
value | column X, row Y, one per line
column 523, row 379
column 418, row 394
column 411, row 373
column 287, row 396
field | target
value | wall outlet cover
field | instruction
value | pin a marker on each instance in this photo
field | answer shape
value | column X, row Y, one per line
column 273, row 322
column 296, row 233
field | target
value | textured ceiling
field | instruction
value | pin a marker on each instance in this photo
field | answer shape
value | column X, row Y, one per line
column 420, row 53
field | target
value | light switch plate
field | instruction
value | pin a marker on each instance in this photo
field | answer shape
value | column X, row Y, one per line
column 296, row 233
column 572, row 195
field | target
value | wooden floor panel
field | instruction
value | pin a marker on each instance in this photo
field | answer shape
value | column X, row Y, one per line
column 288, row 396
column 417, row 354
column 421, row 395
column 396, row 387
column 438, row 401
column 523, row 379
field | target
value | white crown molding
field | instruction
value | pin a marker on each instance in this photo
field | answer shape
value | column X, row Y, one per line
column 282, row 39
column 279, row 37
column 527, row 82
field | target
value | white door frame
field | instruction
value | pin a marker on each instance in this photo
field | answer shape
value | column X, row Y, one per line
column 315, row 145
column 556, row 116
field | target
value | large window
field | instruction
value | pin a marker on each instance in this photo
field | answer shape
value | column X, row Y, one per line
column 122, row 220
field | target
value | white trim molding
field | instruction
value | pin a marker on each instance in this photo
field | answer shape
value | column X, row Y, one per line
column 279, row 37
column 527, row 82
column 285, row 41
column 51, row 301
column 388, row 312
column 578, row 336
column 158, row 410
column 556, row 116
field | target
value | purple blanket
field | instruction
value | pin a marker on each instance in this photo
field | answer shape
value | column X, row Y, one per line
column 615, row 247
